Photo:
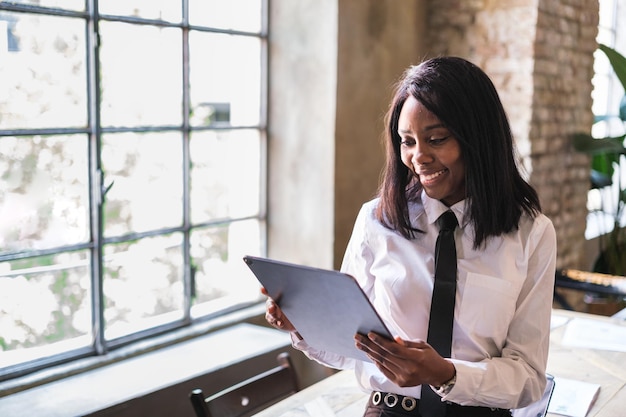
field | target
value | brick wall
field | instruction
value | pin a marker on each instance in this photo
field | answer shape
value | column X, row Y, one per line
column 564, row 46
column 540, row 56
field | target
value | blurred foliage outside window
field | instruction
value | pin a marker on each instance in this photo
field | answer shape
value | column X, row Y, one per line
column 131, row 180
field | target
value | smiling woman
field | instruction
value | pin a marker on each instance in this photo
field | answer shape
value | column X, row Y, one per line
column 455, row 233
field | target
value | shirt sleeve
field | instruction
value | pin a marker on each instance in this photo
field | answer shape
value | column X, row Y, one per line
column 517, row 377
column 358, row 257
column 331, row 360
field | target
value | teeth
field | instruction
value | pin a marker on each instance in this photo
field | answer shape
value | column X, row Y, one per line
column 432, row 176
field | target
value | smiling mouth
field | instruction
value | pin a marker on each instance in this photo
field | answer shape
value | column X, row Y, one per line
column 426, row 178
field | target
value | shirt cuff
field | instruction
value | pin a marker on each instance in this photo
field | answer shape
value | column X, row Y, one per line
column 469, row 376
column 446, row 387
column 297, row 341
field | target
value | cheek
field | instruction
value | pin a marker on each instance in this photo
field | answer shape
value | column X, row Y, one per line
column 458, row 171
column 452, row 159
column 406, row 159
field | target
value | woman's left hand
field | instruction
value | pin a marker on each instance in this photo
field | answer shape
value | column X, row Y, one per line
column 406, row 363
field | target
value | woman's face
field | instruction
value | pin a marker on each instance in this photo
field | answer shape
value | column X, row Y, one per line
column 430, row 151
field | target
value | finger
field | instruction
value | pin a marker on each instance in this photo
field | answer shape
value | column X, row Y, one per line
column 274, row 321
column 371, row 349
column 389, row 371
column 388, row 367
column 272, row 311
column 394, row 356
column 271, row 306
column 386, row 346
column 416, row 344
column 397, row 346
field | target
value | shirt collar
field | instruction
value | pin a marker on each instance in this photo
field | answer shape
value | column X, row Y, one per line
column 435, row 208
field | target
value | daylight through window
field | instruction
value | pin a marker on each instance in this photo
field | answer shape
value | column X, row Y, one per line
column 132, row 146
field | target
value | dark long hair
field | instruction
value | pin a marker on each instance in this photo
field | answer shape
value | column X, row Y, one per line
column 463, row 97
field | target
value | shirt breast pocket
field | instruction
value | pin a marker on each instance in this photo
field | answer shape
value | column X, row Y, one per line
column 487, row 307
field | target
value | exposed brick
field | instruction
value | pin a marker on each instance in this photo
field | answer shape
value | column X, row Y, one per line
column 540, row 56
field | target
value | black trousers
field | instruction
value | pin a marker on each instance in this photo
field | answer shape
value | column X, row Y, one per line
column 375, row 411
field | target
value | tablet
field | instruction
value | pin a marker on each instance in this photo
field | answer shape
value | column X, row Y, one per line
column 326, row 307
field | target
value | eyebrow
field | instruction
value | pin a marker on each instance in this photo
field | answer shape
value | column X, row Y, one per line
column 427, row 129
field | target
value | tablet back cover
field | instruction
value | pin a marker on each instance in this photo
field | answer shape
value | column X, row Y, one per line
column 326, row 307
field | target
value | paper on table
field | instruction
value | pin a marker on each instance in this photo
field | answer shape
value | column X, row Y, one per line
column 572, row 398
column 557, row 321
column 595, row 335
column 319, row 408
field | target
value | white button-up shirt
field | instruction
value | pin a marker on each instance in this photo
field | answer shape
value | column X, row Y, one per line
column 503, row 302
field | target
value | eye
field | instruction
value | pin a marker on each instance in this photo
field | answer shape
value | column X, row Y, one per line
column 407, row 142
column 438, row 140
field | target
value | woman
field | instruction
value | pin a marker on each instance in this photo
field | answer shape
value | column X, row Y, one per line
column 449, row 148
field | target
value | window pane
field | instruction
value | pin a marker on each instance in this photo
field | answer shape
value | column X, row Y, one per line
column 144, row 172
column 168, row 10
column 143, row 284
column 141, row 75
column 232, row 14
column 222, row 278
column 225, row 174
column 48, row 184
column 61, row 4
column 44, row 306
column 44, row 194
column 42, row 71
column 225, row 71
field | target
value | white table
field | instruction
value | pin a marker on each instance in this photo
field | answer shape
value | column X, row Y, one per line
column 339, row 395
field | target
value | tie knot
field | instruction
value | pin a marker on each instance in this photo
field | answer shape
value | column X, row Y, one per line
column 447, row 221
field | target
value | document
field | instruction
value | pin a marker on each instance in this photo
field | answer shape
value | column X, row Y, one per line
column 572, row 398
column 558, row 321
column 595, row 334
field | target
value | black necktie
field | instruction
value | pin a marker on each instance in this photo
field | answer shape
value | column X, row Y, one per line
column 442, row 307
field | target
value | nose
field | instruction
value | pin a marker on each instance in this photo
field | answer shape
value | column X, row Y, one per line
column 421, row 155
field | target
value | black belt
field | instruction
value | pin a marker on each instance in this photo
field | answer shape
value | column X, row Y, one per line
column 410, row 406
column 396, row 402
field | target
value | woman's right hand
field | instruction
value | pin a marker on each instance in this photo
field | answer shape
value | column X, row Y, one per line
column 274, row 315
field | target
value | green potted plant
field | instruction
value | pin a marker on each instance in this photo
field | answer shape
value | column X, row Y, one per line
column 607, row 166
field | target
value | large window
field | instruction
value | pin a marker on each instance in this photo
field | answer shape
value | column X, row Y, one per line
column 132, row 147
column 607, row 94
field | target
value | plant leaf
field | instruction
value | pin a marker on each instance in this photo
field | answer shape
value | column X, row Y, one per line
column 604, row 163
column 586, row 143
column 618, row 62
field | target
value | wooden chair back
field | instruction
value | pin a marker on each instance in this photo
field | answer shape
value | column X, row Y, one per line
column 250, row 396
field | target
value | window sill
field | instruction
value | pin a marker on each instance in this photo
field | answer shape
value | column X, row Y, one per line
column 208, row 360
